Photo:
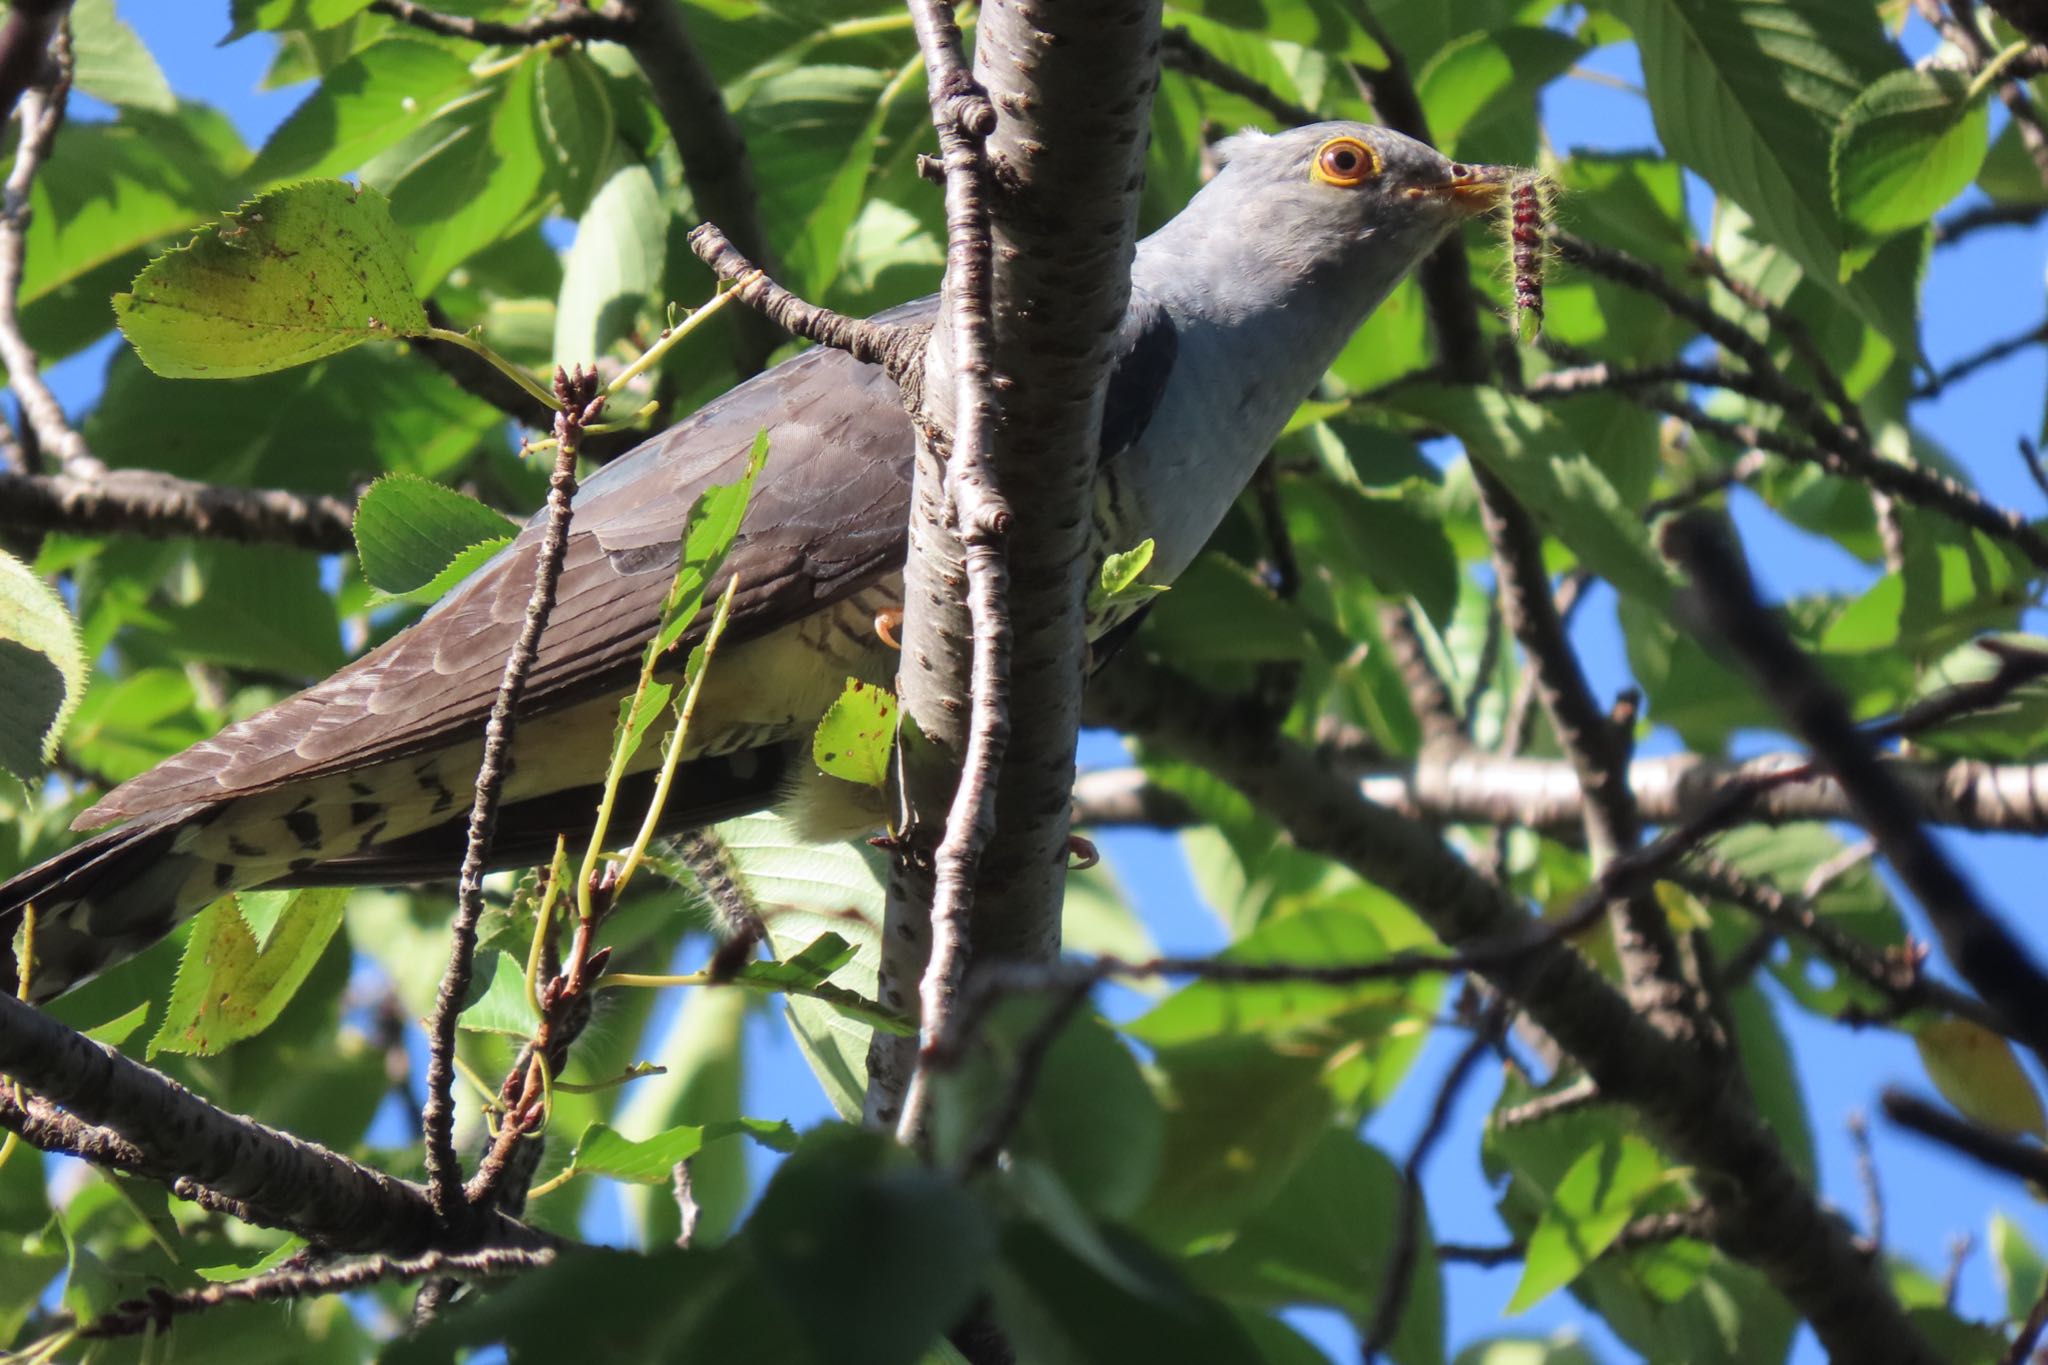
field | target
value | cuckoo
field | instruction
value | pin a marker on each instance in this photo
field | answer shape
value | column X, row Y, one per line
column 1238, row 305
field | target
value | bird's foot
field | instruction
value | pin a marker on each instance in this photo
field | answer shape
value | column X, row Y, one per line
column 888, row 622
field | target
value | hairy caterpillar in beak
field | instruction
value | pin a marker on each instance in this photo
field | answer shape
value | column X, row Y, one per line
column 1530, row 200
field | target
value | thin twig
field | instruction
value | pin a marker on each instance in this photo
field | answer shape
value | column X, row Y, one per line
column 963, row 117
column 1894, row 973
column 896, row 347
column 1995, row 965
column 156, row 1311
column 1866, row 1176
column 2021, row 1348
column 1180, row 52
column 603, row 23
column 1392, row 1301
column 42, row 114
column 1957, row 371
column 2014, row 1156
column 580, row 405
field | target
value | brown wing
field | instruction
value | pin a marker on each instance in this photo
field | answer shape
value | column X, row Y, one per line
column 828, row 517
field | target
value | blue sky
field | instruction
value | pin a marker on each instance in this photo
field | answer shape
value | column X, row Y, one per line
column 1989, row 287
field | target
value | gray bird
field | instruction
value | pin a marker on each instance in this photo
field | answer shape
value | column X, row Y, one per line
column 1237, row 308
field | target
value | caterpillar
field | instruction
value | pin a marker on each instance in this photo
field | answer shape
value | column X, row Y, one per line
column 1528, row 220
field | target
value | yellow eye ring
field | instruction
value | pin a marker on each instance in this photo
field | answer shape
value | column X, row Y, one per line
column 1344, row 162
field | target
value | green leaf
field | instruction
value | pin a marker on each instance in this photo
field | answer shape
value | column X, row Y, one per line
column 805, row 890
column 300, row 273
column 269, row 1260
column 42, row 669
column 1526, row 448
column 1118, row 586
column 368, row 103
column 703, row 1052
column 574, row 112
column 649, row 1161
column 614, row 267
column 410, row 530
column 1218, row 612
column 850, row 1211
column 1328, row 1237
column 228, row 987
column 805, row 973
column 263, row 910
column 1748, row 93
column 2021, row 1272
column 466, row 180
column 708, row 531
column 498, row 1000
column 465, row 563
column 112, row 63
column 1319, row 937
column 1477, row 79
column 1240, row 1118
column 1588, row 1210
column 1322, row 25
column 121, row 1027
column 853, row 741
column 1125, row 1303
column 1908, row 145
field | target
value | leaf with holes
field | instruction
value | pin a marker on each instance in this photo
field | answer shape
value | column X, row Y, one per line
column 852, row 742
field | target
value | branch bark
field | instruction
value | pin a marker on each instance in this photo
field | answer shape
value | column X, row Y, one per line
column 1071, row 83
column 1764, row 1213
column 157, row 506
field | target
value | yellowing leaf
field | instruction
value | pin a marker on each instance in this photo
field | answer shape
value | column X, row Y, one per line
column 301, row 273
column 229, row 988
column 852, row 741
column 1975, row 1070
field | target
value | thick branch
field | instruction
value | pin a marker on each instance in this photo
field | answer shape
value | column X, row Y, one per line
column 1765, row 1214
column 1070, row 83
column 318, row 1192
column 1544, row 794
column 158, row 506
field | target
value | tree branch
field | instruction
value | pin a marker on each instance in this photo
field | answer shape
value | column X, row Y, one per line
column 581, row 403
column 166, row 1128
column 1073, row 81
column 896, row 347
column 1996, row 966
column 1764, row 1213
column 157, row 506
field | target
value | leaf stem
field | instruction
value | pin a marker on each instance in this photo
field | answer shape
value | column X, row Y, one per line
column 674, row 750
column 651, row 357
column 477, row 346
column 1993, row 69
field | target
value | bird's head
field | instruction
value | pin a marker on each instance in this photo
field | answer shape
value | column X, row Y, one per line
column 1348, row 199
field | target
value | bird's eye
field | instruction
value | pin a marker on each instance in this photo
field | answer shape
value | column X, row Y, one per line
column 1345, row 162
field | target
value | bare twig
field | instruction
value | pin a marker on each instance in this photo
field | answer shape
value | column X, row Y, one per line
column 1970, row 221
column 1894, row 972
column 2014, row 1156
column 605, row 23
column 159, row 506
column 1957, row 371
column 1995, row 965
column 156, row 1311
column 2021, row 1349
column 1566, row 1099
column 963, row 117
column 1866, row 1176
column 1180, row 52
column 581, row 403
column 896, row 347
column 1959, row 1248
column 1392, row 1301
column 42, row 114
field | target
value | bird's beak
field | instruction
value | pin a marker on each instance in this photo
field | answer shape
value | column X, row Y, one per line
column 1474, row 189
